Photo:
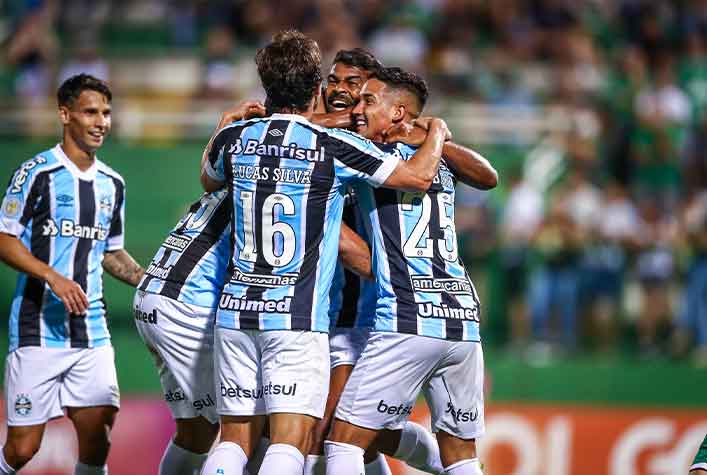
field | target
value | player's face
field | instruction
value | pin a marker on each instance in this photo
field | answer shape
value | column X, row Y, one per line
column 343, row 87
column 376, row 111
column 88, row 120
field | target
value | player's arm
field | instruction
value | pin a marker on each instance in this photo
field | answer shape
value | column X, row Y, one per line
column 17, row 256
column 417, row 173
column 336, row 119
column 354, row 252
column 242, row 110
column 123, row 267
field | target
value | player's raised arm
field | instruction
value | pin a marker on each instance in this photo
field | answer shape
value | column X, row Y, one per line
column 354, row 252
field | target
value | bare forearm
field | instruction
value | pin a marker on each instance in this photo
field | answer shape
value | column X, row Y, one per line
column 417, row 173
column 332, row 120
column 123, row 267
column 355, row 253
column 470, row 167
column 17, row 256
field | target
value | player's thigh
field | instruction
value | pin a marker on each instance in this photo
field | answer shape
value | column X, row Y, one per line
column 295, row 371
column 181, row 336
column 33, row 382
column 383, row 387
column 92, row 380
column 455, row 391
column 237, row 370
column 337, row 380
column 195, row 434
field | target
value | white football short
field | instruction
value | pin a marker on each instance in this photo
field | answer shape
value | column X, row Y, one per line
column 346, row 345
column 180, row 336
column 266, row 372
column 41, row 382
column 394, row 368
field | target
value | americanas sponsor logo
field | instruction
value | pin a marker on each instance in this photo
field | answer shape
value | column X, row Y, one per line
column 263, row 280
column 23, row 173
column 70, row 229
column 293, row 151
column 424, row 283
column 461, row 415
column 176, row 242
column 431, row 310
column 23, row 405
column 231, row 302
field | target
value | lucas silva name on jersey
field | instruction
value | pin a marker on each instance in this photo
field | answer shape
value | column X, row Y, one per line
column 280, row 175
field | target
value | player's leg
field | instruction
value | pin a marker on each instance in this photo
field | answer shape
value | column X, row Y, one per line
column 454, row 394
column 93, row 426
column 187, row 451
column 31, row 399
column 413, row 444
column 295, row 383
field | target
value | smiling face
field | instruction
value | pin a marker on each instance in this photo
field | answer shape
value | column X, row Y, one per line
column 378, row 110
column 87, row 120
column 343, row 86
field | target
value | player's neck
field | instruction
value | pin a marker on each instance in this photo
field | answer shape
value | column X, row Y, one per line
column 81, row 158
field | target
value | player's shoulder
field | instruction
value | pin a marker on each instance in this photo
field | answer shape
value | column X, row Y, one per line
column 239, row 125
column 109, row 172
column 28, row 169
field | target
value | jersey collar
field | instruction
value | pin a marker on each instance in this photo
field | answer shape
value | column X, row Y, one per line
column 87, row 175
column 295, row 117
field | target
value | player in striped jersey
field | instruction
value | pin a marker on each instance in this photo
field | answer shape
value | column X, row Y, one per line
column 425, row 334
column 61, row 222
column 286, row 177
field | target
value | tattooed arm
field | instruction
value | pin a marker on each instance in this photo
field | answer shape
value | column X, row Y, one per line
column 123, row 267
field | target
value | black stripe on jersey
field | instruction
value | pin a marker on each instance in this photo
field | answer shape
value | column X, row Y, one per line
column 349, row 155
column 33, row 295
column 227, row 136
column 454, row 328
column 249, row 319
column 196, row 250
column 316, row 211
column 389, row 218
column 33, row 196
column 87, row 217
column 352, row 282
column 116, row 223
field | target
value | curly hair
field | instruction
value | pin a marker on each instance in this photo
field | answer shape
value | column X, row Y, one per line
column 358, row 58
column 290, row 71
column 71, row 89
column 397, row 78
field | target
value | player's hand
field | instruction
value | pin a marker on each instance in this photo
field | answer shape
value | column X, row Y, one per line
column 406, row 133
column 436, row 125
column 242, row 110
column 69, row 292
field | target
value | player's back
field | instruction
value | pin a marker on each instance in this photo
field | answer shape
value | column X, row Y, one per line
column 190, row 265
column 286, row 177
column 423, row 287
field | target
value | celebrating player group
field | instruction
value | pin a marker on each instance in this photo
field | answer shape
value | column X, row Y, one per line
column 299, row 307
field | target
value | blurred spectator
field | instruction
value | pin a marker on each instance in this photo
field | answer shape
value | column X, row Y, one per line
column 219, row 69
column 85, row 59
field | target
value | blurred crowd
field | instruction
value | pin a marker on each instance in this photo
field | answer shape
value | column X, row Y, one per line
column 616, row 246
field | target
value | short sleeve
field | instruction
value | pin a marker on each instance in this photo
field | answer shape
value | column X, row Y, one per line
column 359, row 159
column 21, row 198
column 214, row 164
column 116, row 234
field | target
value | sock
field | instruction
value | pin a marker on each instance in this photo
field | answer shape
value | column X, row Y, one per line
column 83, row 469
column 227, row 458
column 315, row 465
column 5, row 468
column 419, row 449
column 378, row 467
column 464, row 467
column 256, row 460
column 179, row 461
column 343, row 459
column 282, row 459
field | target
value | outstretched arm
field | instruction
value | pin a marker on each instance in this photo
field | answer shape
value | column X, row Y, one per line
column 17, row 256
column 123, row 267
column 338, row 119
column 354, row 252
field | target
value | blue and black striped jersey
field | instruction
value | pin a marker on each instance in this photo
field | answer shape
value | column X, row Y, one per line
column 67, row 218
column 423, row 287
column 352, row 299
column 287, row 179
column 190, row 266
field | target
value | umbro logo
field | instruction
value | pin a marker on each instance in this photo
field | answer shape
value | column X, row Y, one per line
column 65, row 200
column 275, row 133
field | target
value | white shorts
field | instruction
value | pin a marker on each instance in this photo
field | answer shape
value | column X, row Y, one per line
column 346, row 345
column 41, row 382
column 181, row 337
column 394, row 368
column 266, row 372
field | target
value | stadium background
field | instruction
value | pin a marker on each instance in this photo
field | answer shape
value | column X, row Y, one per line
column 593, row 111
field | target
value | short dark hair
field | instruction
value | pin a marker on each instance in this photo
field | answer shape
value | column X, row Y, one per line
column 398, row 78
column 358, row 58
column 290, row 70
column 71, row 89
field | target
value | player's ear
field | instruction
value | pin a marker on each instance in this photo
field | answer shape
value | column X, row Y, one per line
column 64, row 115
column 399, row 112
